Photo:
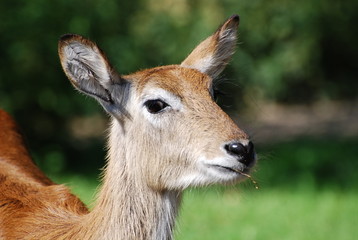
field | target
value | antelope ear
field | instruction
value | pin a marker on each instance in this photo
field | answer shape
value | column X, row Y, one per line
column 89, row 71
column 213, row 54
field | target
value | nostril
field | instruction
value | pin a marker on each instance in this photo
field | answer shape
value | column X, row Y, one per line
column 246, row 154
column 235, row 148
column 250, row 150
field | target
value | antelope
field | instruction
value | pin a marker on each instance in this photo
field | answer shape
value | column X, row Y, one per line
column 166, row 134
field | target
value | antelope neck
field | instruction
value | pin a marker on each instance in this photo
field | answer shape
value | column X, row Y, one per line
column 126, row 207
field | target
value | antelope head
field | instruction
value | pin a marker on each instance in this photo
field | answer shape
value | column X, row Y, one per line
column 167, row 131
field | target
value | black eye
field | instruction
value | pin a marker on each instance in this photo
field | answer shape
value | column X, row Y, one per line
column 155, row 106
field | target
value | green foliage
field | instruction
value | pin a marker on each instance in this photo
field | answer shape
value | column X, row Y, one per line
column 321, row 163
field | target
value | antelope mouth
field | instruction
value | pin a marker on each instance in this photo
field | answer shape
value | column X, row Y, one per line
column 243, row 172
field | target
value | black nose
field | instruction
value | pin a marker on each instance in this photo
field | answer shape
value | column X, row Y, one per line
column 245, row 154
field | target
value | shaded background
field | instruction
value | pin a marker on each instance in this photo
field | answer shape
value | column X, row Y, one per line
column 292, row 83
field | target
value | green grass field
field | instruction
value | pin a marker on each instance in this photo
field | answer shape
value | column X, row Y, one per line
column 308, row 190
column 275, row 214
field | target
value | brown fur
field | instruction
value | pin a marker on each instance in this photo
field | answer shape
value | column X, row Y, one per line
column 25, row 192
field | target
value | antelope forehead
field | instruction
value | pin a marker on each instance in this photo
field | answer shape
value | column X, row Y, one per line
column 175, row 78
column 173, row 84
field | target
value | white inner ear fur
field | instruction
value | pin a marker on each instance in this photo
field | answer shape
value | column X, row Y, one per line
column 212, row 55
column 87, row 58
column 202, row 65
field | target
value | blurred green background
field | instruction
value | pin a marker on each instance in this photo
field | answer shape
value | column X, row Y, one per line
column 292, row 84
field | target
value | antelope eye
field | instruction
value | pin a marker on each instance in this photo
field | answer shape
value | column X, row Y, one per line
column 155, row 106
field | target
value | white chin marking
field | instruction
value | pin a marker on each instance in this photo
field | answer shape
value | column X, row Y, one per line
column 212, row 171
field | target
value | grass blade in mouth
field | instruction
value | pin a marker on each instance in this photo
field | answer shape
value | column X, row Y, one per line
column 249, row 177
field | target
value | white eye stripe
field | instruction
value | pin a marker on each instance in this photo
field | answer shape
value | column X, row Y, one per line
column 158, row 93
